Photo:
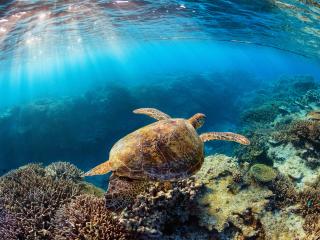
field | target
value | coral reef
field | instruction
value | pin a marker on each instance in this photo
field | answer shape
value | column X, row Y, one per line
column 86, row 217
column 64, row 170
column 9, row 229
column 158, row 211
column 263, row 173
column 304, row 135
column 32, row 198
column 282, row 225
column 221, row 207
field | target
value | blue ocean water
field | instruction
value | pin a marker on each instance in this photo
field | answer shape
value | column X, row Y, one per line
column 71, row 72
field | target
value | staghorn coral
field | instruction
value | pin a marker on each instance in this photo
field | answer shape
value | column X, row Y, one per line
column 161, row 209
column 32, row 199
column 64, row 170
column 9, row 229
column 263, row 173
column 86, row 217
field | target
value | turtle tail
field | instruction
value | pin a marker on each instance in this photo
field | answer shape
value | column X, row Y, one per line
column 101, row 169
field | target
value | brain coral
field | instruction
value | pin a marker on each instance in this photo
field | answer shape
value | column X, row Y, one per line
column 86, row 217
column 32, row 198
column 263, row 173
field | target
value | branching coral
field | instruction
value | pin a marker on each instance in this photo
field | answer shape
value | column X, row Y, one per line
column 309, row 206
column 9, row 229
column 284, row 192
column 64, row 170
column 32, row 198
column 304, row 135
column 87, row 218
column 161, row 208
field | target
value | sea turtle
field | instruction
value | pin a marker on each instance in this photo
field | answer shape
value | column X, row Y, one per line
column 167, row 150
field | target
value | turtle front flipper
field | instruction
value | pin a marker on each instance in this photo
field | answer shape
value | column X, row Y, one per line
column 226, row 136
column 101, row 169
column 122, row 191
column 152, row 112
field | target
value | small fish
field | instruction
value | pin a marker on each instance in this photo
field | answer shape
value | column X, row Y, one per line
column 314, row 115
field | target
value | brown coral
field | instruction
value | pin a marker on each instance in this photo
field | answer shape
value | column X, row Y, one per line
column 160, row 209
column 9, row 229
column 87, row 218
column 33, row 198
column 284, row 192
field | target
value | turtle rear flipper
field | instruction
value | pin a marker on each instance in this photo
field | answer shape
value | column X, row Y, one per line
column 226, row 136
column 152, row 112
column 122, row 191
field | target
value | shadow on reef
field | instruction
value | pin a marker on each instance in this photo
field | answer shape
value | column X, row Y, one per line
column 82, row 129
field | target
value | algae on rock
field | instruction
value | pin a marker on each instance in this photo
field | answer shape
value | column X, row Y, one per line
column 219, row 206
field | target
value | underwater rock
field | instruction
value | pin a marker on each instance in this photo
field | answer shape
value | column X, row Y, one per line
column 263, row 173
column 32, row 198
column 219, row 206
column 162, row 208
column 86, row 217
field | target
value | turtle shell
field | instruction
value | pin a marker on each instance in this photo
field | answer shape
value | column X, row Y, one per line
column 165, row 150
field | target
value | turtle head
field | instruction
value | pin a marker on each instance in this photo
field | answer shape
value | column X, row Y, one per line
column 197, row 120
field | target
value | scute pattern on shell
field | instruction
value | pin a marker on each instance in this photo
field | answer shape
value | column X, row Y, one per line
column 165, row 150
